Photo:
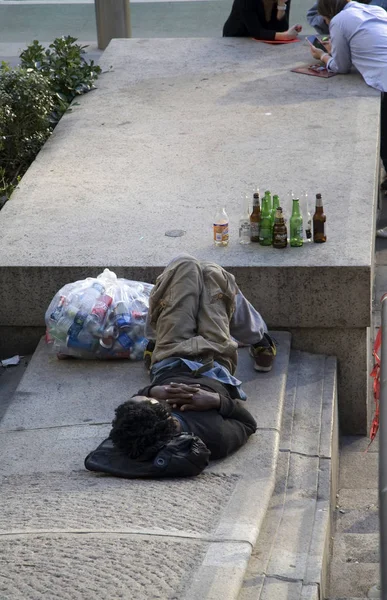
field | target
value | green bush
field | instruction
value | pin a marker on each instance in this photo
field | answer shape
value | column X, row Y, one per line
column 33, row 97
column 65, row 67
column 26, row 104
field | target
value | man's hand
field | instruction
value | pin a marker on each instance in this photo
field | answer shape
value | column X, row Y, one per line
column 316, row 52
column 191, row 397
column 163, row 392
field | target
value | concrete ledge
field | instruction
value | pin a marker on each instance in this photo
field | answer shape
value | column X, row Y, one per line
column 62, row 410
column 291, row 557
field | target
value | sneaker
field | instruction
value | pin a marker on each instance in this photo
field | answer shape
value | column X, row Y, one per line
column 148, row 354
column 264, row 353
column 381, row 233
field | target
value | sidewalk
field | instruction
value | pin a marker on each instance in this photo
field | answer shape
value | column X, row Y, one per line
column 22, row 22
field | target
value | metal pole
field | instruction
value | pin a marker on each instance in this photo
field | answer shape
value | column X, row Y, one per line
column 113, row 20
column 383, row 452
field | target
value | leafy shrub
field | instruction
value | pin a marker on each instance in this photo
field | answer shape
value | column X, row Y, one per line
column 65, row 67
column 26, row 104
column 33, row 97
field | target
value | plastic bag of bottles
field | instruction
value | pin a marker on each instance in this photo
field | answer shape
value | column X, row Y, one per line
column 101, row 317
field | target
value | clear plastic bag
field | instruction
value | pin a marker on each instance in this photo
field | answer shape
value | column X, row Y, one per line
column 101, row 317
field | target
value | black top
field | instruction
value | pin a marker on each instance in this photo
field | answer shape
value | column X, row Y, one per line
column 247, row 19
column 223, row 430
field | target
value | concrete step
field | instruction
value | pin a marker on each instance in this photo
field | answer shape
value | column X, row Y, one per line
column 70, row 533
column 290, row 559
column 355, row 552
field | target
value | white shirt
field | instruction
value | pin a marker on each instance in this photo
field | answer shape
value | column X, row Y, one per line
column 359, row 38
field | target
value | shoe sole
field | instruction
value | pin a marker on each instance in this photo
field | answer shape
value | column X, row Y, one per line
column 262, row 369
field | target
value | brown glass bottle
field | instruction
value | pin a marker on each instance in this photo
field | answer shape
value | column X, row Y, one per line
column 255, row 218
column 280, row 232
column 319, row 219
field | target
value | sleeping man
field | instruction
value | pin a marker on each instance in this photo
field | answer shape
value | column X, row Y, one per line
column 196, row 312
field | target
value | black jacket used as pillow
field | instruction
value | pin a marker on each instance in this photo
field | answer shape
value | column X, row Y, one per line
column 184, row 455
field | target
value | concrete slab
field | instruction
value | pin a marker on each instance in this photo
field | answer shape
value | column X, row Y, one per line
column 358, row 470
column 182, row 100
column 351, row 580
column 359, row 498
column 79, row 501
column 294, row 540
column 96, row 567
column 75, row 391
column 357, row 547
column 49, row 495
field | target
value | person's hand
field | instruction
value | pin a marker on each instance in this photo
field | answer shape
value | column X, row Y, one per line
column 316, row 52
column 173, row 390
column 328, row 46
column 292, row 32
column 191, row 397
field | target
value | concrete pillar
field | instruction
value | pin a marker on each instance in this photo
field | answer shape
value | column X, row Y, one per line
column 113, row 20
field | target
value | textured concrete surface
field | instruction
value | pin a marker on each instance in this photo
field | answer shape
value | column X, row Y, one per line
column 57, row 512
column 352, row 348
column 355, row 556
column 193, row 125
column 291, row 557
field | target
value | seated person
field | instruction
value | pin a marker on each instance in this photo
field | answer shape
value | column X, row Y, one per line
column 318, row 22
column 261, row 19
column 194, row 310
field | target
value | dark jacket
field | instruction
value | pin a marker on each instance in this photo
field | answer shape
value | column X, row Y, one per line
column 247, row 19
column 223, row 430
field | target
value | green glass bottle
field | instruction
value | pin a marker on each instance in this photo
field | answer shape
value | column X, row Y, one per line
column 296, row 225
column 274, row 209
column 265, row 229
column 268, row 198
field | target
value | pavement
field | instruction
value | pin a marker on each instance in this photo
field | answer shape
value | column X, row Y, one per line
column 21, row 22
column 355, row 556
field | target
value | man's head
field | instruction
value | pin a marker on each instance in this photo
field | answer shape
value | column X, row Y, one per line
column 330, row 8
column 141, row 426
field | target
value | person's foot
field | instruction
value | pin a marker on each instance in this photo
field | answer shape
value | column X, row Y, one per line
column 381, row 233
column 264, row 353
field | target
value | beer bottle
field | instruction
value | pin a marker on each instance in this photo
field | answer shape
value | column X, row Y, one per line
column 265, row 229
column 255, row 218
column 280, row 232
column 274, row 208
column 319, row 219
column 296, row 237
column 220, row 227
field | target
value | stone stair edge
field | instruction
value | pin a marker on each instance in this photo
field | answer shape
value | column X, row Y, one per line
column 313, row 576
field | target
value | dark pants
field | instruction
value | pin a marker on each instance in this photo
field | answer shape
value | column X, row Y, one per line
column 383, row 130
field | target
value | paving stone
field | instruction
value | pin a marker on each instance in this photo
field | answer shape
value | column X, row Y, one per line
column 290, row 549
column 97, row 567
column 77, row 391
column 349, row 580
column 356, row 547
column 48, row 450
column 358, row 469
column 367, row 499
column 357, row 521
column 281, row 590
column 87, row 501
column 310, row 592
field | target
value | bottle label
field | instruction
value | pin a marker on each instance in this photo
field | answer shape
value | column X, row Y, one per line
column 244, row 229
column 221, row 232
column 254, row 229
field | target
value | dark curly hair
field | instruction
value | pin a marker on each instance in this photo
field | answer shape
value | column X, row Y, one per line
column 141, row 428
